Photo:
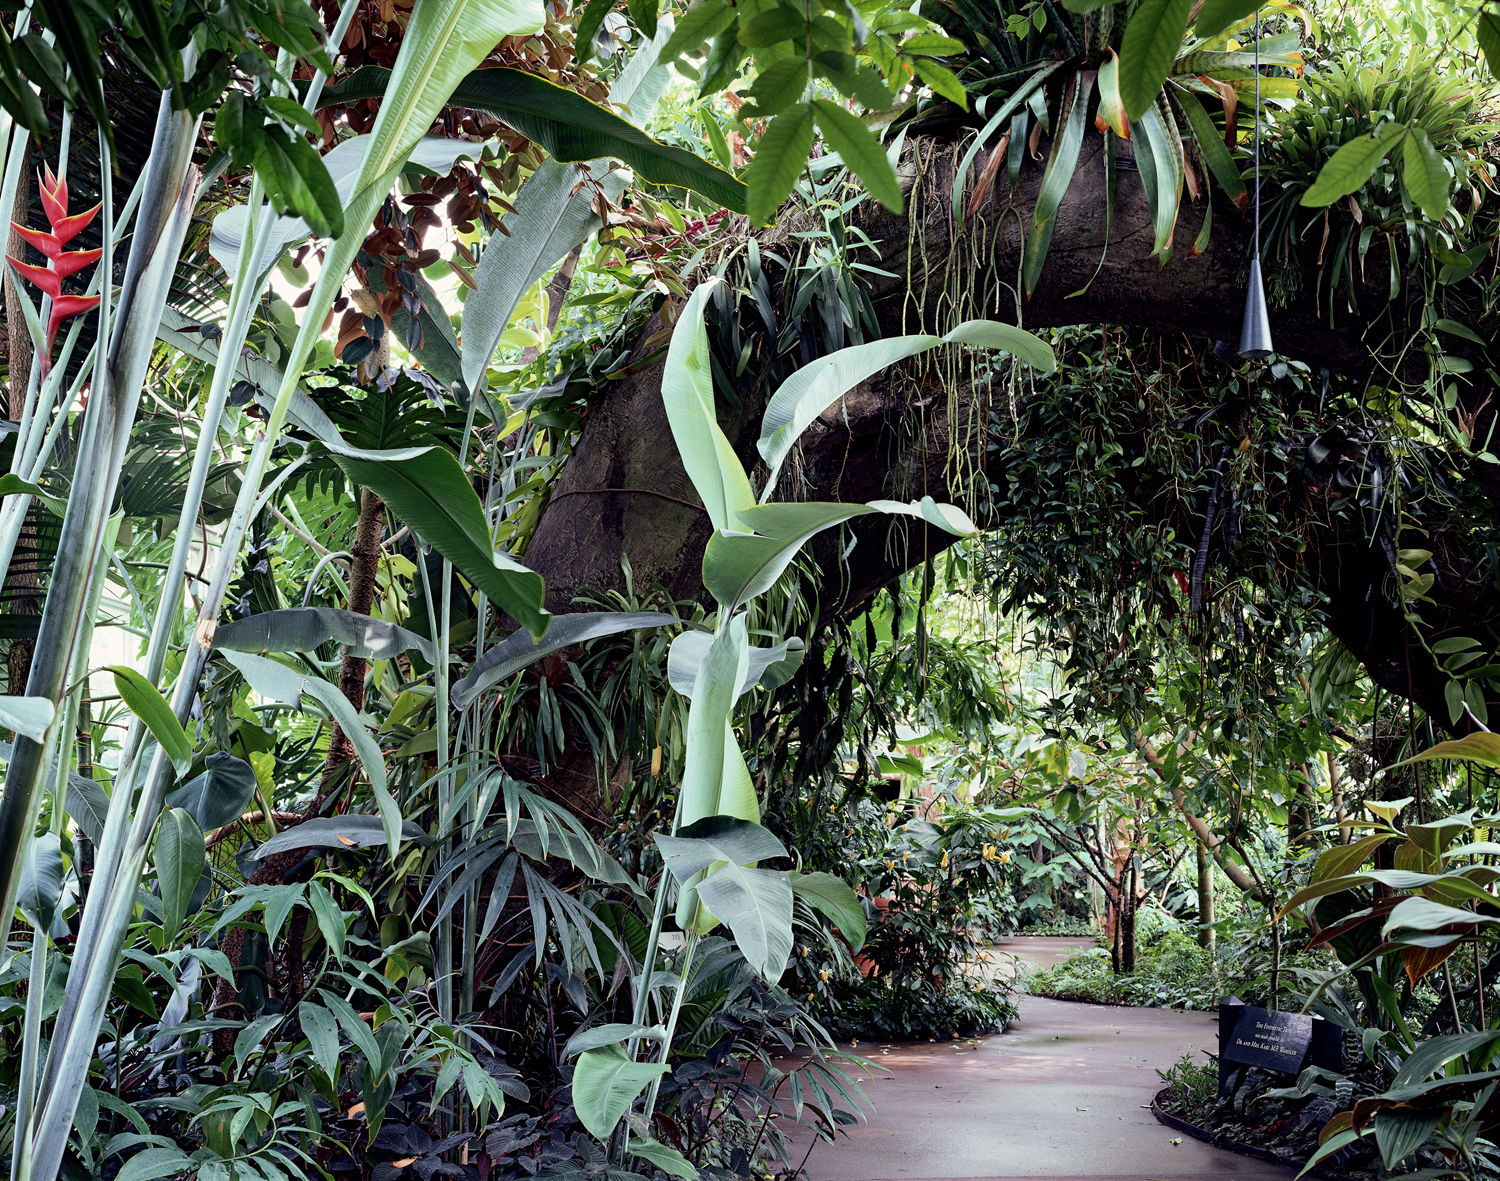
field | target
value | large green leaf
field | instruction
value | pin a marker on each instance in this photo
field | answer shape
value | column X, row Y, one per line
column 553, row 214
column 1217, row 15
column 569, row 126
column 709, row 737
column 668, row 1160
column 30, row 716
column 861, row 152
column 321, row 1030
column 1056, row 178
column 280, row 683
column 41, row 881
column 334, row 832
column 1352, row 165
column 779, row 158
column 1150, row 46
column 811, row 390
column 1480, row 747
column 219, row 795
column 179, row 864
column 836, row 901
column 756, row 904
column 713, row 839
column 302, row 629
column 739, row 566
column 518, row 650
column 1425, row 174
column 143, row 700
column 429, row 491
column 687, row 389
column 87, row 805
column 606, row 1082
column 768, row 667
column 713, row 860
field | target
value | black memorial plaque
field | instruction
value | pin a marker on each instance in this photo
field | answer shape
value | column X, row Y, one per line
column 1276, row 1041
column 1271, row 1040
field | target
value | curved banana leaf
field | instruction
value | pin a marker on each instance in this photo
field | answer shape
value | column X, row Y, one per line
column 518, row 650
column 711, row 749
column 687, row 389
column 30, row 716
column 302, row 629
column 429, row 491
column 739, row 566
column 569, row 126
column 811, row 390
column 334, row 832
column 769, row 667
column 552, row 216
column 606, row 1082
column 756, row 904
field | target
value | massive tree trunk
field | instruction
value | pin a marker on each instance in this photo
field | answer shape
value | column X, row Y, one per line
column 624, row 491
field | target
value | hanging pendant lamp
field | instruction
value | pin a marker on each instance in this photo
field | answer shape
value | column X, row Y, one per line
column 1255, row 332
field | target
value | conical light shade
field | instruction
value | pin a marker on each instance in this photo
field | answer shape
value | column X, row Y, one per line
column 1255, row 333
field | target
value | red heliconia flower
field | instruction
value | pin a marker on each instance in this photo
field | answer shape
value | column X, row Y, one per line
column 61, row 263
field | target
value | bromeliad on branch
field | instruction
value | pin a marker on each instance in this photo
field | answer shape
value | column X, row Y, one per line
column 61, row 263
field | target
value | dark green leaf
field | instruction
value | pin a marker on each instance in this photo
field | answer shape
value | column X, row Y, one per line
column 1425, row 174
column 1352, row 165
column 179, row 865
column 334, row 832
column 569, row 126
column 221, row 794
column 151, row 707
column 860, row 151
column 779, row 158
column 1152, row 41
column 1217, row 15
column 430, row 492
column 771, row 28
column 703, row 22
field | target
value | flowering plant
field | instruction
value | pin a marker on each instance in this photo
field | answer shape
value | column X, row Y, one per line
column 60, row 263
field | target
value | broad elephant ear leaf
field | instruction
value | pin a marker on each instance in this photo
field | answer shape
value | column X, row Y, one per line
column 219, row 795
column 606, row 1082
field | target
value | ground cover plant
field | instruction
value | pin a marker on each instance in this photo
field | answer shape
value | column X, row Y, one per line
column 553, row 556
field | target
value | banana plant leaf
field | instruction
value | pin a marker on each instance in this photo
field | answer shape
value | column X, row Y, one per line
column 518, row 650
column 569, row 126
column 552, row 216
column 303, row 629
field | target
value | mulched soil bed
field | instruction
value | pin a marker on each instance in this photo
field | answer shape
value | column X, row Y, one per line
column 1170, row 1107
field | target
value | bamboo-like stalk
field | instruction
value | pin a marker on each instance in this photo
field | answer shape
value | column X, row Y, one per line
column 170, row 193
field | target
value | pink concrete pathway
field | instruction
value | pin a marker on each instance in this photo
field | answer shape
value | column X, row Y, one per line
column 1064, row 1093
